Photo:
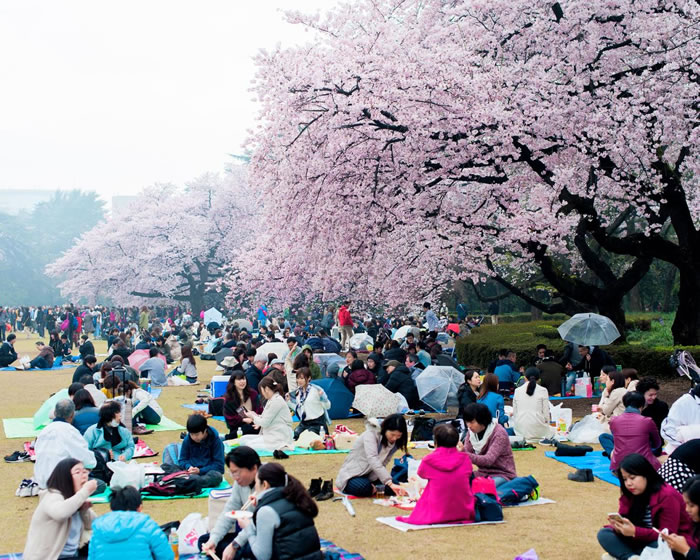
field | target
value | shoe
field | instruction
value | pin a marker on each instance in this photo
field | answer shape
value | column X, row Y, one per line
column 279, row 454
column 535, row 494
column 183, row 435
column 22, row 485
column 549, row 441
column 25, row 491
column 326, row 491
column 581, row 475
column 34, row 489
column 139, row 430
column 315, row 487
column 18, row 457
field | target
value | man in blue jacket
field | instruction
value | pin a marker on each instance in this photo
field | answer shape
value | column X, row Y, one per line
column 126, row 532
column 202, row 452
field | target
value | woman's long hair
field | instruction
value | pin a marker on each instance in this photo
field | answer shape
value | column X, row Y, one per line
column 532, row 375
column 490, row 384
column 691, row 489
column 293, row 490
column 395, row 422
column 232, row 392
column 638, row 465
column 186, row 352
column 83, row 399
column 61, row 479
column 618, row 379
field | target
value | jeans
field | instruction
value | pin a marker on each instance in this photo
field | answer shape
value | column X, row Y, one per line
column 570, row 381
column 618, row 546
column 607, row 442
column 39, row 362
column 211, row 479
column 498, row 480
column 361, row 486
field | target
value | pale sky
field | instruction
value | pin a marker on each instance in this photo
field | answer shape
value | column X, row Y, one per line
column 115, row 96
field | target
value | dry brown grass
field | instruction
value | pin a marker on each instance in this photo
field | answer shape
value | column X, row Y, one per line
column 565, row 530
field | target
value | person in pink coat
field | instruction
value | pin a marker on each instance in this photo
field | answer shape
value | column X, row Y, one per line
column 448, row 496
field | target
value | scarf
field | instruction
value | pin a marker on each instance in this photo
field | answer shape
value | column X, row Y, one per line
column 479, row 444
column 301, row 397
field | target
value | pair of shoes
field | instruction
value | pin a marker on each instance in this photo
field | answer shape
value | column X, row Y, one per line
column 139, row 430
column 581, row 475
column 326, row 491
column 18, row 457
column 315, row 487
column 279, row 454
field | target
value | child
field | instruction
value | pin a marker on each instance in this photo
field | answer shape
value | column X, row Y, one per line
column 202, row 452
column 647, row 504
column 678, row 543
column 448, row 496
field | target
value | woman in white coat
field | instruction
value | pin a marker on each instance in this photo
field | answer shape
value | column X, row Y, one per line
column 310, row 404
column 530, row 418
column 275, row 422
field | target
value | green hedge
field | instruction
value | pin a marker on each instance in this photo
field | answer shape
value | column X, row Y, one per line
column 481, row 346
column 527, row 317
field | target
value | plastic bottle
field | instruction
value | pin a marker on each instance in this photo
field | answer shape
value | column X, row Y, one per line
column 239, row 432
column 322, row 433
column 174, row 543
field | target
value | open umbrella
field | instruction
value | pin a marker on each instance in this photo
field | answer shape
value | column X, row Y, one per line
column 362, row 342
column 339, row 395
column 375, row 401
column 402, row 332
column 454, row 327
column 213, row 315
column 589, row 329
column 243, row 324
column 221, row 354
column 279, row 348
column 437, row 386
column 324, row 360
column 137, row 357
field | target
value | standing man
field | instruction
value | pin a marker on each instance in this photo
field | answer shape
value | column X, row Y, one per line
column 431, row 319
column 346, row 325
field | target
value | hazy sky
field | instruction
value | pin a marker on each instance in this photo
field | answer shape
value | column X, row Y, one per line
column 115, row 96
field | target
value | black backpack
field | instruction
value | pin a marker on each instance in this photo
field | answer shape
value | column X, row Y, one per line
column 176, row 484
column 423, row 429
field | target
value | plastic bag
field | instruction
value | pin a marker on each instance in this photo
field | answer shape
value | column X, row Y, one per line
column 191, row 528
column 583, row 387
column 587, row 430
column 127, row 474
column 661, row 552
column 561, row 417
column 529, row 555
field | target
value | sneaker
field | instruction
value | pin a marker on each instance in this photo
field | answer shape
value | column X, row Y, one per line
column 535, row 494
column 25, row 491
column 34, row 489
column 22, row 486
column 17, row 457
column 548, row 441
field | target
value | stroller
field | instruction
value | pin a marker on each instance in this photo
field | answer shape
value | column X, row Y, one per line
column 684, row 364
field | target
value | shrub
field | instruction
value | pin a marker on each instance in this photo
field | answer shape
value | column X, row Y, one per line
column 527, row 317
column 481, row 346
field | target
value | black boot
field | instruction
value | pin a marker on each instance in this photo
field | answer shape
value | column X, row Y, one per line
column 315, row 487
column 581, row 475
column 564, row 450
column 326, row 491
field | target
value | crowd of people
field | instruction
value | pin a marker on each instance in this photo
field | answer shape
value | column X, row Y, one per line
column 108, row 403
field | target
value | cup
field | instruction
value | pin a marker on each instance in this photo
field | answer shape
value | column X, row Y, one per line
column 595, row 408
column 380, row 491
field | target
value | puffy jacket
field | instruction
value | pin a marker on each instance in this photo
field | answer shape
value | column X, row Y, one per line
column 359, row 377
column 344, row 318
column 128, row 534
column 95, row 438
column 400, row 381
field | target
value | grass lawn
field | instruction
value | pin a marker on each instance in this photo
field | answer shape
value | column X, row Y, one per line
column 565, row 530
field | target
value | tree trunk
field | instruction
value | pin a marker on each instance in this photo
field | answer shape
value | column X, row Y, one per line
column 686, row 326
column 614, row 310
column 669, row 283
column 635, row 301
column 535, row 313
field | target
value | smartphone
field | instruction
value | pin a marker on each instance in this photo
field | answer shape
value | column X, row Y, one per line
column 241, row 410
column 615, row 516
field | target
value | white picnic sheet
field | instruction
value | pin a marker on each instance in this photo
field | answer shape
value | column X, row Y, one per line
column 405, row 527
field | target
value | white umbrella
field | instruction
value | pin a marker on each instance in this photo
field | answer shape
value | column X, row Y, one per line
column 589, row 329
column 402, row 332
column 243, row 324
column 375, row 401
column 279, row 348
column 437, row 386
column 213, row 315
column 361, row 341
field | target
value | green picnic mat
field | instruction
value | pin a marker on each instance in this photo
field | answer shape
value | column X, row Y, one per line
column 104, row 497
column 24, row 427
column 297, row 451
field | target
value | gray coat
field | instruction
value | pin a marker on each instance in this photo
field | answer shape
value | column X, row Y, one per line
column 368, row 457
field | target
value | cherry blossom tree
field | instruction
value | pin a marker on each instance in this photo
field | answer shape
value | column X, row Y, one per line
column 415, row 142
column 168, row 246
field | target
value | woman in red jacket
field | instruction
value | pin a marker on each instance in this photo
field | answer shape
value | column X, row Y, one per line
column 647, row 505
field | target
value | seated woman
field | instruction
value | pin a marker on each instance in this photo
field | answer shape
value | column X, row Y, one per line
column 109, row 436
column 647, row 505
column 146, row 409
column 683, row 421
column 688, row 548
column 86, row 413
column 358, row 375
column 310, row 404
column 374, row 364
column 365, row 465
column 448, row 473
column 489, row 396
column 188, row 365
column 240, row 394
column 314, row 368
column 531, row 408
column 611, row 399
column 487, row 445
column 655, row 408
column 275, row 422
column 283, row 520
column 63, row 516
column 468, row 391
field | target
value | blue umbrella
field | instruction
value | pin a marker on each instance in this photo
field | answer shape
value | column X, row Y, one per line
column 339, row 395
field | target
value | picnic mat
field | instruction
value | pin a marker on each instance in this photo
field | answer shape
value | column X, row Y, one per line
column 205, row 408
column 297, row 451
column 68, row 365
column 593, row 460
column 104, row 497
column 24, row 427
column 405, row 527
column 537, row 502
column 327, row 546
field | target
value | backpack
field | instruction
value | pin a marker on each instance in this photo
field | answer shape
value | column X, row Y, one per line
column 176, row 484
column 517, row 490
column 171, row 453
column 487, row 508
column 423, row 429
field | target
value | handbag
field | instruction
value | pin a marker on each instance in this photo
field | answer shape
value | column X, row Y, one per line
column 487, row 508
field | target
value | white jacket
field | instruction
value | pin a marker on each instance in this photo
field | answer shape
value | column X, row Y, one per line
column 145, row 399
column 59, row 440
column 530, row 417
column 276, row 424
column 682, row 423
column 314, row 406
